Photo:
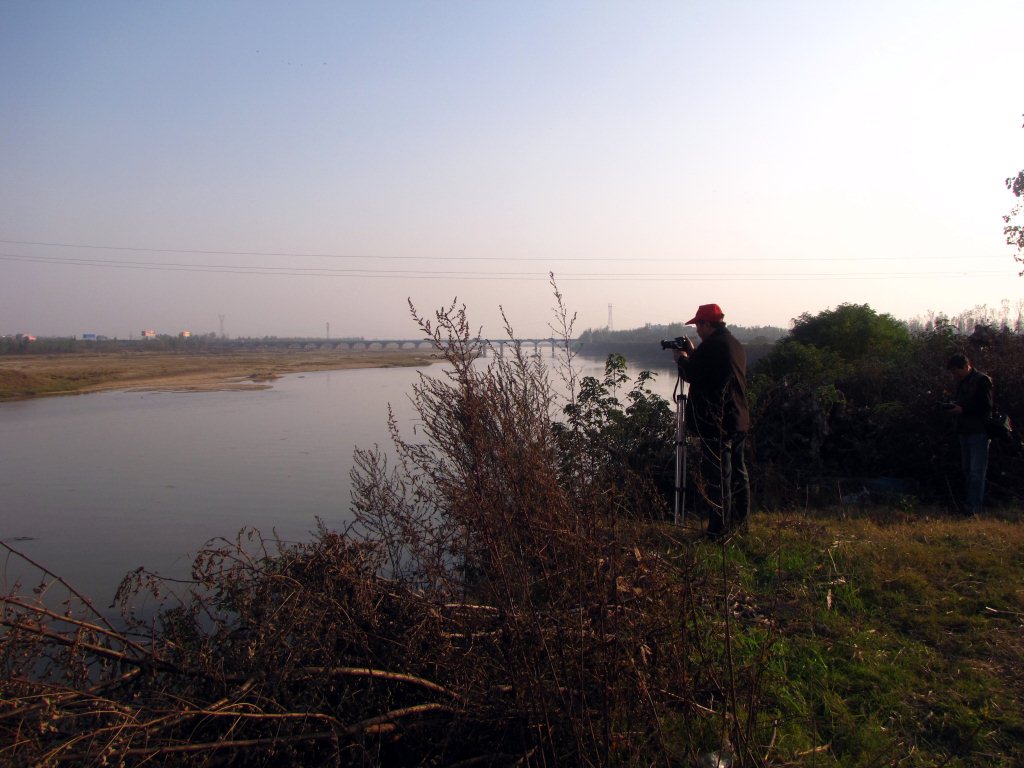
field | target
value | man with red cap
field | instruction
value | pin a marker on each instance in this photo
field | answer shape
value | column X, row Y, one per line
column 718, row 415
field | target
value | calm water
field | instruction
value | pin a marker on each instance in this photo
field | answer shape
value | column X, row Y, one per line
column 93, row 486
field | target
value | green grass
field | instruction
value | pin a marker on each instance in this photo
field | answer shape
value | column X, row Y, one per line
column 888, row 638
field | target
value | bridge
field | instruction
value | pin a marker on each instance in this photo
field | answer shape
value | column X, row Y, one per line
column 326, row 345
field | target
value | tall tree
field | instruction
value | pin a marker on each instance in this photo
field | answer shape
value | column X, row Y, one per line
column 1015, row 231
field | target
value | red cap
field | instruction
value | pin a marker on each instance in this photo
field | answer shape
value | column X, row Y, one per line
column 710, row 312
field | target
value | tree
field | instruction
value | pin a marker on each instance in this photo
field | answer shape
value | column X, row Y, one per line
column 1015, row 232
column 852, row 331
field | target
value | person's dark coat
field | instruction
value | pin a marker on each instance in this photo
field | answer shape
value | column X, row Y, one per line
column 717, row 372
column 974, row 395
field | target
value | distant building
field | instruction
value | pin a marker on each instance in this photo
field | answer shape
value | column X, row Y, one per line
column 184, row 334
column 149, row 334
column 88, row 337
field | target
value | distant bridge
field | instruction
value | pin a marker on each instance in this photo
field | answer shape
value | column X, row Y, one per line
column 499, row 345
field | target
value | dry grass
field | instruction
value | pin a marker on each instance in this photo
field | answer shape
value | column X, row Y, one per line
column 25, row 376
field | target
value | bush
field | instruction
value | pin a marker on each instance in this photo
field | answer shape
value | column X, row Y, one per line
column 620, row 447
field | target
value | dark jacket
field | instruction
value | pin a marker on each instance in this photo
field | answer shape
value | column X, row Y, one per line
column 717, row 372
column 974, row 395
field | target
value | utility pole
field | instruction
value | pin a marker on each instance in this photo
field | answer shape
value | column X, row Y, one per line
column 328, row 331
column 610, row 327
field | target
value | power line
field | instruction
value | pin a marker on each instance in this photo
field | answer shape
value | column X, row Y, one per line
column 730, row 276
column 246, row 270
column 292, row 254
column 365, row 272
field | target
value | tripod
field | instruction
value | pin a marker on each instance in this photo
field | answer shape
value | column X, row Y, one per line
column 679, row 396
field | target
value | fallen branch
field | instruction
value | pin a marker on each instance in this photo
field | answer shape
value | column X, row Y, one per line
column 98, row 650
column 380, row 674
column 223, row 744
column 40, row 609
column 84, row 600
column 69, row 693
column 388, row 718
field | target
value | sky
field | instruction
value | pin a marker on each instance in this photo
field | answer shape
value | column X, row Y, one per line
column 308, row 168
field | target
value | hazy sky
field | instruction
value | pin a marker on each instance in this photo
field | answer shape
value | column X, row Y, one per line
column 293, row 164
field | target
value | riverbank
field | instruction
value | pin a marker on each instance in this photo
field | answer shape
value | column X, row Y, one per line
column 27, row 376
column 851, row 638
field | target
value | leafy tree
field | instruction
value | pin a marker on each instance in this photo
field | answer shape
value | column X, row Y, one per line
column 832, row 398
column 852, row 331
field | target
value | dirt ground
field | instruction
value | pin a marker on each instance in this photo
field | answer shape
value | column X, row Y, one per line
column 25, row 376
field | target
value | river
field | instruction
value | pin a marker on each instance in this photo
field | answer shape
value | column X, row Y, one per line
column 93, row 486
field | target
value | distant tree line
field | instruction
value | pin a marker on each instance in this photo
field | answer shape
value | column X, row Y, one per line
column 653, row 333
column 642, row 345
column 1008, row 315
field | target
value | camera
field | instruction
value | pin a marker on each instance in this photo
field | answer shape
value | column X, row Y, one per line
column 679, row 342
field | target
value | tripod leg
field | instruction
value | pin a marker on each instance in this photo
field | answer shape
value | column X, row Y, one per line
column 679, row 510
column 682, row 439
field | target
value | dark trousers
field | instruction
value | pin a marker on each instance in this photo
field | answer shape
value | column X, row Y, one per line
column 974, row 460
column 726, row 482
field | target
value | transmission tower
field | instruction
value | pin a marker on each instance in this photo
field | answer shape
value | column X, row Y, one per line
column 610, row 326
column 328, row 331
column 221, row 325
